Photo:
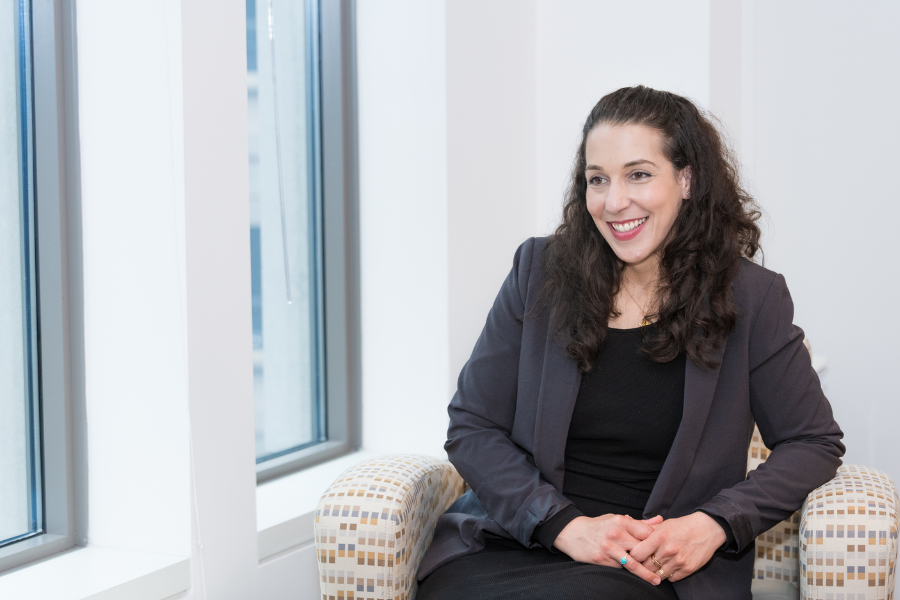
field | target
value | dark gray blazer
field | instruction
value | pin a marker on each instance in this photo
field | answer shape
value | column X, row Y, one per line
column 509, row 421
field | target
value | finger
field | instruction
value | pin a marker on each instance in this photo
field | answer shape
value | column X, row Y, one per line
column 641, row 571
column 641, row 552
column 639, row 529
column 648, row 564
column 651, row 566
column 653, row 520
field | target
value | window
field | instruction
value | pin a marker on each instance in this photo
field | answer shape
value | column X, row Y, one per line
column 37, row 490
column 21, row 505
column 302, row 232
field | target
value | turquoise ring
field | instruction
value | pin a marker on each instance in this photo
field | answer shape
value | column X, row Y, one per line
column 624, row 560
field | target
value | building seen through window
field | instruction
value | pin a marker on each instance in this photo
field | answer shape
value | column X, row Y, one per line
column 285, row 225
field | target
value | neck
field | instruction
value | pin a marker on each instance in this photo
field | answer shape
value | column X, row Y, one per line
column 643, row 275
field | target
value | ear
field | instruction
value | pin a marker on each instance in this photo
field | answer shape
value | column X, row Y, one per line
column 686, row 182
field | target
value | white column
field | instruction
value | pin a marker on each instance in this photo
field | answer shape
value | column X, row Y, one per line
column 217, row 240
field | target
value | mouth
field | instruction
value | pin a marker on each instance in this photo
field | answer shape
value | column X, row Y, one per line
column 626, row 226
column 626, row 230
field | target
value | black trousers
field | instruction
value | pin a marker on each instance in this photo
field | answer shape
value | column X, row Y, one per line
column 507, row 570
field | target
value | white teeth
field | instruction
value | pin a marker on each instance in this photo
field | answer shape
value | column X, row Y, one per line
column 626, row 227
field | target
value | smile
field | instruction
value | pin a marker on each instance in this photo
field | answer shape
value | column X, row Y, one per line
column 626, row 226
column 627, row 230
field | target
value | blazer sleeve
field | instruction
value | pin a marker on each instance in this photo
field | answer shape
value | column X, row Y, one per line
column 502, row 475
column 794, row 419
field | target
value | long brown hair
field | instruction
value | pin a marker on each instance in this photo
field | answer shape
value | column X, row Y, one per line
column 714, row 228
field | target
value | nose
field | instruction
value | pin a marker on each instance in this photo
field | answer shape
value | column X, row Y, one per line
column 617, row 198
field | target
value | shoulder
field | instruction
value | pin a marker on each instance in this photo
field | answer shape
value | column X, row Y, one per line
column 528, row 257
column 527, row 276
column 752, row 283
column 760, row 293
column 529, row 252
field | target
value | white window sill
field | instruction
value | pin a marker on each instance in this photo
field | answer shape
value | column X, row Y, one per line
column 96, row 573
column 286, row 507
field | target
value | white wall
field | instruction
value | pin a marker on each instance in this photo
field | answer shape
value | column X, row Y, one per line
column 586, row 49
column 491, row 174
column 823, row 150
column 402, row 90
column 133, row 250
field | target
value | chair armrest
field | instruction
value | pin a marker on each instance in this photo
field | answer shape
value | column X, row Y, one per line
column 848, row 533
column 375, row 522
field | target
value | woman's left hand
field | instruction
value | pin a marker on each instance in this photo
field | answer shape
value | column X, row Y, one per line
column 680, row 545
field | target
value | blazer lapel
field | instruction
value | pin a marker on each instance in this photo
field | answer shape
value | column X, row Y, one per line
column 699, row 389
column 560, row 381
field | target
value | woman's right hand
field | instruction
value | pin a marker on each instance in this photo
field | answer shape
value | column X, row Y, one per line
column 605, row 540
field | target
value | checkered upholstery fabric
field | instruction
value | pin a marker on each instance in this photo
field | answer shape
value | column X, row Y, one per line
column 375, row 522
column 849, row 539
column 842, row 544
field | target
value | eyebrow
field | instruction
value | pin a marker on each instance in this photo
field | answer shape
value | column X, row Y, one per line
column 633, row 163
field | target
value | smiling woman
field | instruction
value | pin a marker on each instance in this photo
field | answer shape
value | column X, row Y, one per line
column 603, row 420
column 653, row 155
column 633, row 198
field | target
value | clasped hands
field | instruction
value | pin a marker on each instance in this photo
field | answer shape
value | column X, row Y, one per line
column 681, row 546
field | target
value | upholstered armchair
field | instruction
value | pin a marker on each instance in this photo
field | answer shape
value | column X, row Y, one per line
column 375, row 522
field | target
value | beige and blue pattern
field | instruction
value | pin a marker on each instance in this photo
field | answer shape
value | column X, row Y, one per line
column 375, row 522
column 849, row 539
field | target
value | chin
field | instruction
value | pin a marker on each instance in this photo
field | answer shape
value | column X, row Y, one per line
column 632, row 258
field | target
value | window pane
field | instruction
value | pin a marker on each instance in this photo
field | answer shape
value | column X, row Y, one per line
column 20, row 502
column 285, row 224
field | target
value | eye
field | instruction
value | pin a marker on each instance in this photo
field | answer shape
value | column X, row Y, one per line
column 640, row 175
column 595, row 180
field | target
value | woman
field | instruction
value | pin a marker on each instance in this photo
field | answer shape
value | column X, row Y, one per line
column 603, row 419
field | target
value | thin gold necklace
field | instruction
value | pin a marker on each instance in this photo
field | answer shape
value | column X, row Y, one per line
column 644, row 321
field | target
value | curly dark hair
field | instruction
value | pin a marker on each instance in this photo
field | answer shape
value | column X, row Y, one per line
column 699, row 257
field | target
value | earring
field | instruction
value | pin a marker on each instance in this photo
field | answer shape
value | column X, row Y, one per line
column 687, row 195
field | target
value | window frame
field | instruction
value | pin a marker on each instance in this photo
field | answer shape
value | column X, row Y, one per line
column 54, row 155
column 340, row 245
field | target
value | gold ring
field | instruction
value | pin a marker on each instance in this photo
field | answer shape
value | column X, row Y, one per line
column 662, row 573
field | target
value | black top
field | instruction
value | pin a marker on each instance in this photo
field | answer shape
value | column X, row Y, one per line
column 625, row 419
column 623, row 425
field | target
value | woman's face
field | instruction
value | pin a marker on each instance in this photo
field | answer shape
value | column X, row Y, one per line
column 633, row 191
